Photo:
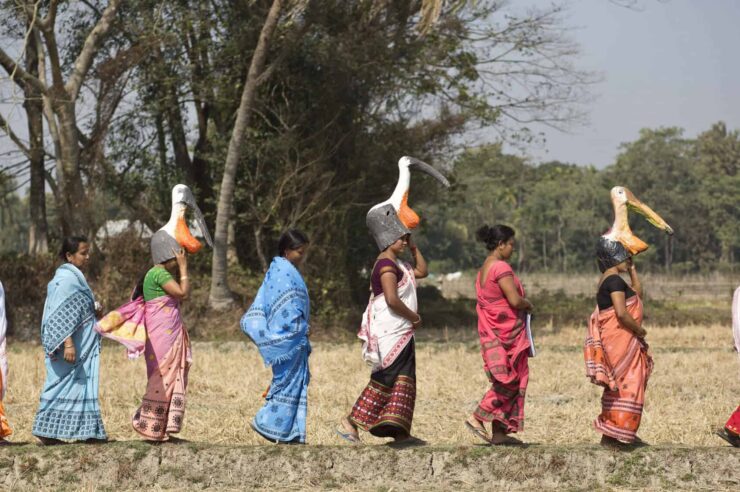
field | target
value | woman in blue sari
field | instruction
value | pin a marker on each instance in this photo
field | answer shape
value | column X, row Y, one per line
column 69, row 407
column 277, row 322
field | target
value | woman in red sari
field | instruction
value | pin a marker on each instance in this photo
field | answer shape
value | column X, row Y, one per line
column 501, row 310
column 731, row 431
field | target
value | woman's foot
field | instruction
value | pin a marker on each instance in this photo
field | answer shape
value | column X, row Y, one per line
column 499, row 437
column 49, row 441
column 504, row 440
column 729, row 437
column 407, row 441
column 348, row 430
column 612, row 443
column 95, row 440
column 478, row 429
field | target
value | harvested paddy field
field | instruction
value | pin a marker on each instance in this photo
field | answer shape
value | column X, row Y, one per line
column 693, row 390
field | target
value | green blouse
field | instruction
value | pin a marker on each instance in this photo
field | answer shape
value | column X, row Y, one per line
column 155, row 278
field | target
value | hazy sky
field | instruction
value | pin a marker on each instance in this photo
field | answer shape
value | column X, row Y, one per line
column 670, row 63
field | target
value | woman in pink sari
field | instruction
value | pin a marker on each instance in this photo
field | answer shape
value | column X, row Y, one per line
column 167, row 351
column 151, row 323
column 504, row 343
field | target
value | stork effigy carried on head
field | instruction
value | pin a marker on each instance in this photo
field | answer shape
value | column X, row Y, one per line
column 175, row 234
column 619, row 243
column 393, row 218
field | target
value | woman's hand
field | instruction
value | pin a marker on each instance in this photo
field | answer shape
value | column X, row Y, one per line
column 98, row 310
column 640, row 332
column 182, row 260
column 416, row 324
column 69, row 353
column 529, row 307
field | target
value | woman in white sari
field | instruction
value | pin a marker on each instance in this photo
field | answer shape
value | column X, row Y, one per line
column 386, row 406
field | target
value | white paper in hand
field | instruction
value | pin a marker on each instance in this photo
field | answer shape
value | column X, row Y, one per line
column 532, row 351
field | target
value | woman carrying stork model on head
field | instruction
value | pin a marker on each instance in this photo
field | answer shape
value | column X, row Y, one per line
column 616, row 354
column 386, row 406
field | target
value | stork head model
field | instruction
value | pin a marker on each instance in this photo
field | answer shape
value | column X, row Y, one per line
column 176, row 234
column 393, row 218
column 619, row 243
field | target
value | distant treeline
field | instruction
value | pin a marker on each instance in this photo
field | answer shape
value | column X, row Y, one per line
column 559, row 210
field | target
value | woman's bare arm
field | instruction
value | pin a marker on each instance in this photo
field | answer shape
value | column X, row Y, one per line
column 512, row 294
column 634, row 279
column 420, row 264
column 176, row 290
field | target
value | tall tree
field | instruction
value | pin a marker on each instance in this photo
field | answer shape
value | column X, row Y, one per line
column 220, row 295
column 60, row 98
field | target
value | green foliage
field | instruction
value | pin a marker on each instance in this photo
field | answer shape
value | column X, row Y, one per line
column 559, row 210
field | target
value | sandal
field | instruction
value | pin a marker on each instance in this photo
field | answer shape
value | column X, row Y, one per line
column 348, row 436
column 478, row 432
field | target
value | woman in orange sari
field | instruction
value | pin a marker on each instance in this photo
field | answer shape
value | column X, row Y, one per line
column 504, row 343
column 616, row 354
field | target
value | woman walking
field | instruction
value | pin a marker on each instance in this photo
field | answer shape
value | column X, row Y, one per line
column 69, row 407
column 501, row 308
column 731, row 431
column 616, row 353
column 5, row 430
column 167, row 349
column 278, row 323
column 385, row 408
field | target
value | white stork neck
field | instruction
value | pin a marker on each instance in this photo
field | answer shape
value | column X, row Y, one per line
column 404, row 180
column 621, row 223
column 178, row 210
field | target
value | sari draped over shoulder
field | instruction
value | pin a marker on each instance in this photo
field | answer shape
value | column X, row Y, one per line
column 620, row 362
column 155, row 328
column 278, row 323
column 385, row 408
column 384, row 333
column 69, row 407
column 505, row 350
column 4, row 425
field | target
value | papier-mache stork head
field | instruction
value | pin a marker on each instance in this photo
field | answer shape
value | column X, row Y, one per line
column 175, row 234
column 393, row 218
column 619, row 243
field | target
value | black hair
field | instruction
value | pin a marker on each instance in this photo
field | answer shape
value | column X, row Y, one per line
column 70, row 244
column 291, row 239
column 492, row 236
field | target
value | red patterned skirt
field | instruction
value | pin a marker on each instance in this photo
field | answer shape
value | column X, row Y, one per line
column 385, row 407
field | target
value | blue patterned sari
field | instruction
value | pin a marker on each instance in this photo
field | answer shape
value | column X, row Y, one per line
column 69, row 407
column 277, row 322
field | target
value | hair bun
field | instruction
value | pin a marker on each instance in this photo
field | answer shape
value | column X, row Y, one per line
column 492, row 236
column 483, row 233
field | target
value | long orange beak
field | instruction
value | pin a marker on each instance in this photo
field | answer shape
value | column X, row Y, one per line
column 634, row 204
column 184, row 238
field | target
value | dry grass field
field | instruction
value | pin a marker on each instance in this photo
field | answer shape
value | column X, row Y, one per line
column 693, row 390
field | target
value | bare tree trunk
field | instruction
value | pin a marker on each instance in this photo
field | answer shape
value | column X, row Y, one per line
column 544, row 249
column 231, row 255
column 37, row 232
column 668, row 253
column 75, row 212
column 258, row 247
column 220, row 296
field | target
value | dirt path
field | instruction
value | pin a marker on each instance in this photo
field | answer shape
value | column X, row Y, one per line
column 192, row 466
